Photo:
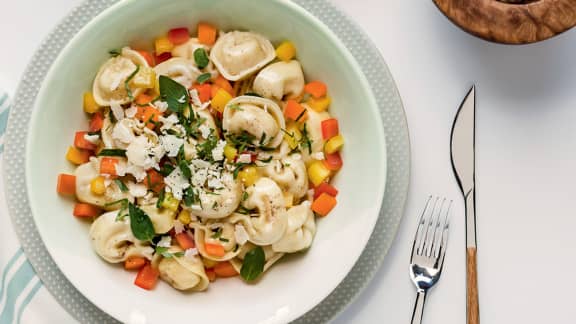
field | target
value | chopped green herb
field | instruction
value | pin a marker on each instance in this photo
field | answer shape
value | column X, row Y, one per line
column 252, row 94
column 114, row 52
column 121, row 185
column 202, row 78
column 166, row 169
column 245, row 196
column 223, row 239
column 266, row 160
column 175, row 94
column 161, row 197
column 127, row 82
column 262, row 139
column 140, row 223
column 201, row 58
column 189, row 197
column 217, row 234
column 163, row 251
column 306, row 142
column 183, row 165
column 235, row 107
column 204, row 149
column 253, row 264
column 112, row 152
column 301, row 114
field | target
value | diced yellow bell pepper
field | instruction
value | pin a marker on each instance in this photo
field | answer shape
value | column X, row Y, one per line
column 163, row 45
column 334, row 144
column 320, row 104
column 145, row 78
column 318, row 172
column 220, row 100
column 288, row 199
column 293, row 135
column 170, row 202
column 77, row 156
column 209, row 264
column 286, row 51
column 184, row 217
column 97, row 186
column 230, row 152
column 90, row 105
column 248, row 175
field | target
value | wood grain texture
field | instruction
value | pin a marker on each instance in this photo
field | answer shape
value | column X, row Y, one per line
column 511, row 23
column 472, row 307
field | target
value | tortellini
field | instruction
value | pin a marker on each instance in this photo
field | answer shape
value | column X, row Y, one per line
column 220, row 204
column 266, row 198
column 113, row 240
column 85, row 173
column 290, row 173
column 162, row 218
column 216, row 233
column 183, row 272
column 110, row 83
column 262, row 118
column 181, row 70
column 239, row 54
column 300, row 230
column 280, row 79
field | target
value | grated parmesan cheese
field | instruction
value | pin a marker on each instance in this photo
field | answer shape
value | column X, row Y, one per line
column 165, row 241
column 204, row 130
column 191, row 253
column 240, row 234
column 171, row 144
column 94, row 139
column 218, row 151
column 131, row 112
column 178, row 227
column 177, row 183
column 195, row 98
column 161, row 105
column 137, row 189
column 318, row 156
column 244, row 158
column 117, row 110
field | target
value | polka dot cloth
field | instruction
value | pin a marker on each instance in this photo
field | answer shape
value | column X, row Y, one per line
column 398, row 154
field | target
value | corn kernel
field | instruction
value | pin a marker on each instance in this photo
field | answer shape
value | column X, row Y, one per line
column 145, row 78
column 77, row 156
column 170, row 202
column 97, row 186
column 293, row 136
column 230, row 152
column 90, row 105
column 318, row 172
column 209, row 264
column 334, row 144
column 320, row 104
column 220, row 100
column 288, row 199
column 286, row 51
column 248, row 175
column 184, row 217
column 163, row 45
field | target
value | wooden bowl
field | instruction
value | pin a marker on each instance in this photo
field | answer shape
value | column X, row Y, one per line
column 509, row 23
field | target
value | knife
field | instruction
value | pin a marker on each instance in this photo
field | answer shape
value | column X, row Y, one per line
column 462, row 142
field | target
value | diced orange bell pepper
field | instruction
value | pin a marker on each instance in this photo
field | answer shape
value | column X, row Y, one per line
column 135, row 263
column 204, row 91
column 317, row 89
column 86, row 210
column 294, row 111
column 77, row 156
column 154, row 181
column 323, row 204
column 149, row 115
column 147, row 277
column 221, row 82
column 207, row 33
column 66, row 184
column 96, row 122
column 81, row 142
column 216, row 250
column 143, row 99
column 330, row 128
column 148, row 57
column 108, row 166
column 185, row 241
column 225, row 270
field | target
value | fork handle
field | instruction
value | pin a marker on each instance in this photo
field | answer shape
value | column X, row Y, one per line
column 418, row 307
column 473, row 312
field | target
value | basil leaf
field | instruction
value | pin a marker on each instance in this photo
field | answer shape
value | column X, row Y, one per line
column 140, row 223
column 189, row 197
column 203, row 77
column 121, row 185
column 112, row 152
column 253, row 264
column 175, row 94
column 201, row 58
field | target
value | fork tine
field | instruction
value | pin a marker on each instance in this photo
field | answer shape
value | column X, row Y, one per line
column 421, row 228
column 432, row 243
column 444, row 238
column 424, row 244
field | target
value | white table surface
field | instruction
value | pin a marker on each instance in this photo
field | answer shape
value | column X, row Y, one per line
column 526, row 155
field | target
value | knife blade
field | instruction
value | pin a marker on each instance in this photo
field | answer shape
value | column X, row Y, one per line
column 462, row 149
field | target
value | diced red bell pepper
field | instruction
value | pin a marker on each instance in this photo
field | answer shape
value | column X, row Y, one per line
column 333, row 161
column 329, row 128
column 204, row 91
column 325, row 187
column 163, row 57
column 178, row 35
column 86, row 210
column 147, row 277
column 135, row 263
column 81, row 142
column 66, row 184
column 96, row 122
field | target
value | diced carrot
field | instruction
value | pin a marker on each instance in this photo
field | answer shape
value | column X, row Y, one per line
column 178, row 35
column 77, row 156
column 135, row 263
column 149, row 115
column 225, row 270
column 216, row 250
column 224, row 84
column 143, row 99
column 149, row 58
column 206, row 33
column 162, row 57
column 204, row 91
column 108, row 166
column 147, row 277
column 96, row 122
column 317, row 89
column 294, row 111
column 66, row 184
column 325, row 187
column 330, row 128
column 210, row 274
column 81, row 142
column 86, row 210
column 154, row 181
column 323, row 204
column 333, row 161
column 185, row 241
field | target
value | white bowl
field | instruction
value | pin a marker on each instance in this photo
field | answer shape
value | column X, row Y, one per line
column 291, row 287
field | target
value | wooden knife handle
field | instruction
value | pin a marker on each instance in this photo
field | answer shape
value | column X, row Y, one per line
column 472, row 309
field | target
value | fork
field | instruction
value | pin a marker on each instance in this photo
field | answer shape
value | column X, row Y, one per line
column 428, row 250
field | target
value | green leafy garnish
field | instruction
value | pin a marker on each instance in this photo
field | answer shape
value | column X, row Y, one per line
column 163, row 251
column 204, row 150
column 175, row 94
column 121, row 185
column 235, row 107
column 123, row 206
column 253, row 94
column 301, row 114
column 262, row 139
column 189, row 197
column 306, row 142
column 166, row 169
column 266, row 160
column 140, row 223
column 114, row 52
column 161, row 197
column 112, row 152
column 245, row 196
column 203, row 77
column 223, row 239
column 183, row 165
column 253, row 264
column 201, row 58
column 127, row 82
column 217, row 234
